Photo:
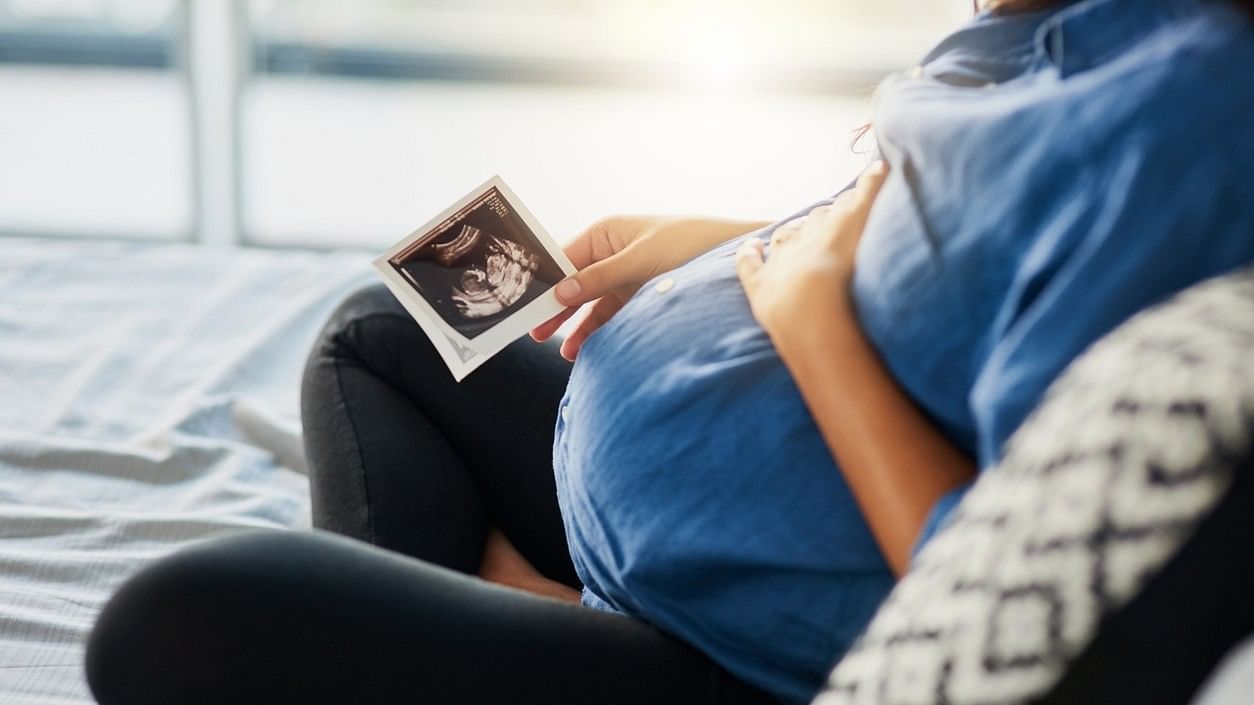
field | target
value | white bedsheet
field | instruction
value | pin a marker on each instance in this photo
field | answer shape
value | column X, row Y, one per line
column 148, row 400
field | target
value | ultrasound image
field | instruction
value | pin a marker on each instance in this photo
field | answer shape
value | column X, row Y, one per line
column 498, row 273
column 480, row 268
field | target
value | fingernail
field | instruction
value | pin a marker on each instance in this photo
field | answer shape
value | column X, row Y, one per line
column 568, row 289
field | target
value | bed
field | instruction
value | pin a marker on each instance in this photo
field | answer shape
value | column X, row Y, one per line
column 148, row 400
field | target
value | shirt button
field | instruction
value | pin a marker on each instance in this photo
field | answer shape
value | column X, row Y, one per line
column 565, row 413
column 664, row 286
column 916, row 72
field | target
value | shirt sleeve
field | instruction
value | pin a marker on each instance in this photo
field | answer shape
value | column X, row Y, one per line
column 1119, row 241
column 1152, row 232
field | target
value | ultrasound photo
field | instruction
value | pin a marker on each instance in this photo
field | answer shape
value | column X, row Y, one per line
column 477, row 276
column 479, row 266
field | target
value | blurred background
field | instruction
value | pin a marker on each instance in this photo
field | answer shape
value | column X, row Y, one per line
column 347, row 123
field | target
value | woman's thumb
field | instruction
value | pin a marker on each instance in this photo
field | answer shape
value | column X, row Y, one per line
column 568, row 290
column 595, row 280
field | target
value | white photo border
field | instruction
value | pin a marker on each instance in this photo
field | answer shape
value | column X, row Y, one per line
column 460, row 354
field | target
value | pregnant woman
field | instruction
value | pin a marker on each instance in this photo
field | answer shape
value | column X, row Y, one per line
column 762, row 422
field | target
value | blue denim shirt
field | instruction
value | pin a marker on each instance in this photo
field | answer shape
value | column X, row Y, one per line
column 1052, row 173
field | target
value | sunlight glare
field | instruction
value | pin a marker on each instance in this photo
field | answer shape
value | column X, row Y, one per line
column 711, row 48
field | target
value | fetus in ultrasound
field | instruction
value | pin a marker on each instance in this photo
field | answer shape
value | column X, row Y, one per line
column 479, row 267
column 495, row 272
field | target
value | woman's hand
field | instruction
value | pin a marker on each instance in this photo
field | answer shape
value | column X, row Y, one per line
column 811, row 259
column 895, row 461
column 616, row 255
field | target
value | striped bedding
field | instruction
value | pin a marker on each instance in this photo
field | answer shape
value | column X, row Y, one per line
column 148, row 400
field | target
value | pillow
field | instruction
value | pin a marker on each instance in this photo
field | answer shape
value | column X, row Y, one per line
column 1107, row 558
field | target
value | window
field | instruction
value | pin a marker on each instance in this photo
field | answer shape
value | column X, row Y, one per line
column 94, row 129
column 347, row 122
column 360, row 119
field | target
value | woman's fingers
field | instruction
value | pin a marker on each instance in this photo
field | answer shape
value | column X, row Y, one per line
column 871, row 178
column 842, row 198
column 545, row 330
column 748, row 261
column 604, row 260
column 592, row 244
column 859, row 208
column 604, row 264
column 602, row 277
column 786, row 230
column 590, row 247
column 869, row 184
column 851, row 210
column 601, row 311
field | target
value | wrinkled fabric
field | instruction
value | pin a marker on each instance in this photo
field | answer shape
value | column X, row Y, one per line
column 148, row 401
column 1051, row 174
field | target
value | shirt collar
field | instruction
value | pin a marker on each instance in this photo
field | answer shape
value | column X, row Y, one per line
column 1073, row 36
column 995, row 37
column 1085, row 34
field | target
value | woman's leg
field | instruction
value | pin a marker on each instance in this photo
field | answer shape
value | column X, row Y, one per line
column 279, row 618
column 403, row 457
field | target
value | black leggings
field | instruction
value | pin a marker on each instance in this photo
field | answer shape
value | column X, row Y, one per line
column 403, row 458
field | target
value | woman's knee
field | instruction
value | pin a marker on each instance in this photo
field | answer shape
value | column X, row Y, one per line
column 361, row 305
column 177, row 630
column 369, row 329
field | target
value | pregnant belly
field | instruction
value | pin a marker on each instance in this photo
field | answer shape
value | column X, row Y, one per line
column 697, row 492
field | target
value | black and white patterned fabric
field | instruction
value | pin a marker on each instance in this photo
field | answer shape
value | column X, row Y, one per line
column 1133, row 446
